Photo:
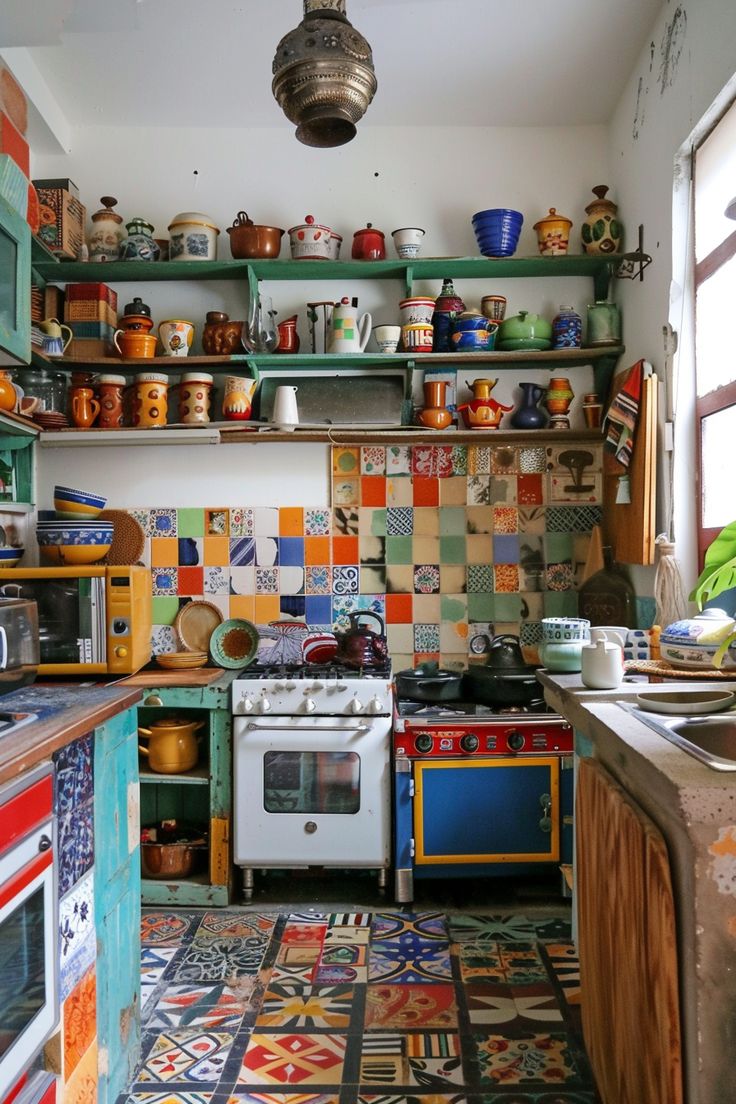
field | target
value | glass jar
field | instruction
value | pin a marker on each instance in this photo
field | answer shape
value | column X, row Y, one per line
column 37, row 384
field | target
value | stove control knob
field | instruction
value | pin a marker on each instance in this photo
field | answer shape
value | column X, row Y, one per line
column 247, row 705
column 278, row 685
column 516, row 740
column 375, row 705
column 318, row 685
column 310, row 705
column 354, row 706
column 469, row 742
column 265, row 704
column 423, row 743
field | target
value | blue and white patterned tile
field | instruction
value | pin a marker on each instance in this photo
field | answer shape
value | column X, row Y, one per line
column 344, row 605
column 399, row 521
column 426, row 638
column 480, row 578
column 267, row 580
column 77, row 945
column 242, row 521
column 345, row 579
column 164, row 581
column 242, row 551
column 211, row 960
column 318, row 579
column 163, row 523
column 144, row 517
column 217, row 580
column 73, row 775
column 317, row 521
column 185, row 1057
column 573, row 519
column 163, row 639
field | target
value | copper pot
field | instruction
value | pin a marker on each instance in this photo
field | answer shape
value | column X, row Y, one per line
column 249, row 240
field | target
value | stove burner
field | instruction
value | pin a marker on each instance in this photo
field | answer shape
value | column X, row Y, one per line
column 329, row 671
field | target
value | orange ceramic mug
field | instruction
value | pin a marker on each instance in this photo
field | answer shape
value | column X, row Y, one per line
column 134, row 344
column 85, row 407
column 150, row 399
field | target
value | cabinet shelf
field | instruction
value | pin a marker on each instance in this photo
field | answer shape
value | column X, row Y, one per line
column 596, row 268
column 198, row 776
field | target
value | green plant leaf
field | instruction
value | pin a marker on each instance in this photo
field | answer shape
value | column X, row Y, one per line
column 719, row 567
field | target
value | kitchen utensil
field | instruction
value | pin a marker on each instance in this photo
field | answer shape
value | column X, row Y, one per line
column 694, row 641
column 176, row 336
column 195, row 390
column 221, row 336
column 360, row 646
column 428, row 683
column 150, row 398
column 313, row 241
column 524, row 330
column 54, row 343
column 110, row 388
column 497, row 231
column 247, row 239
column 172, row 853
column 565, row 628
column 71, row 503
column 602, row 664
column 504, row 653
column 288, row 336
column 234, row 643
column 195, row 623
column 260, row 333
column 319, row 647
column 686, row 703
column 408, row 241
column 553, row 233
column 172, row 745
column 128, row 538
column 238, row 398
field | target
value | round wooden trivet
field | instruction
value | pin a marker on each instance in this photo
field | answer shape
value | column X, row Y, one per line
column 657, row 668
column 128, row 538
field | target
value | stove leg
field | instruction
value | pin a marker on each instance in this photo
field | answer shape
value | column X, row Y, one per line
column 247, row 883
column 382, row 877
column 404, row 886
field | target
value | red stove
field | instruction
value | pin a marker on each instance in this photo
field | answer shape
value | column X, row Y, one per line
column 479, row 792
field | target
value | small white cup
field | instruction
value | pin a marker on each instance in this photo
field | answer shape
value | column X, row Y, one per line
column 408, row 242
column 387, row 338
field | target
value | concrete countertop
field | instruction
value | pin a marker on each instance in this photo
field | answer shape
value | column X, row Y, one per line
column 65, row 711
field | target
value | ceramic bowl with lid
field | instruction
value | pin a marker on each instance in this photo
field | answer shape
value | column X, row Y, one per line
column 313, row 241
column 193, row 237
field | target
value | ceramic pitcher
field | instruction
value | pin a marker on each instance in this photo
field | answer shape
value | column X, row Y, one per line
column 347, row 332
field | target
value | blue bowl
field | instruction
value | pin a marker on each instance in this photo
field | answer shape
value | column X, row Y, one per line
column 85, row 498
column 498, row 215
column 73, row 534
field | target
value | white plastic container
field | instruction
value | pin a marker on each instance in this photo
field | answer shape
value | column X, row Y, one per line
column 193, row 237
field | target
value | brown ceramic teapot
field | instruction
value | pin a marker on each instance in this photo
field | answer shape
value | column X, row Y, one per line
column 361, row 646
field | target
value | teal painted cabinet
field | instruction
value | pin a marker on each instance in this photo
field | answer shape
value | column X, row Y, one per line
column 117, row 902
column 15, row 286
column 199, row 797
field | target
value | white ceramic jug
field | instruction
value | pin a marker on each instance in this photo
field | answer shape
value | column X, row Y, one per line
column 348, row 333
column 602, row 664
column 285, row 411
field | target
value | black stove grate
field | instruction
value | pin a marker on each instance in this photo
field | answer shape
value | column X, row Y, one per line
column 459, row 709
column 328, row 671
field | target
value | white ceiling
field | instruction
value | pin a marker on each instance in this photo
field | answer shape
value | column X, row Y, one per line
column 438, row 62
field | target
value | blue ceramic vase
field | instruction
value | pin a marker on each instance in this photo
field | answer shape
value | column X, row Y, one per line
column 528, row 415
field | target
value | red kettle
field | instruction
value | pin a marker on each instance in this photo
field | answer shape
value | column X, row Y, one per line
column 361, row 646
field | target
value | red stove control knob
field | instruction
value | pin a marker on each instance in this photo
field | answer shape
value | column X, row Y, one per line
column 423, row 743
column 469, row 742
column 516, row 740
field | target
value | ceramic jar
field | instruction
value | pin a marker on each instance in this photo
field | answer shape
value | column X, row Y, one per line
column 84, row 407
column 448, row 305
column 139, row 244
column 408, row 242
column 559, row 395
column 416, row 310
column 604, row 324
column 553, row 234
column 417, row 337
column 567, row 329
column 150, row 399
column 288, row 337
column 601, row 231
column 54, row 342
column 221, row 336
column 602, row 664
column 387, row 338
column 193, row 237
column 8, row 393
column 483, row 411
column 110, row 390
column 176, row 336
column 195, row 389
column 472, row 332
column 312, row 241
column 137, row 316
column 347, row 332
column 369, row 244
column 494, row 307
column 435, row 414
column 238, row 398
column 592, row 410
column 107, row 232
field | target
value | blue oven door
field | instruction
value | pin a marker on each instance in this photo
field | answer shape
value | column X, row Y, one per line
column 483, row 811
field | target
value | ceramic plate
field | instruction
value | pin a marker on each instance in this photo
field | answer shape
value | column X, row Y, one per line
column 181, row 661
column 234, row 643
column 686, row 702
column 195, row 623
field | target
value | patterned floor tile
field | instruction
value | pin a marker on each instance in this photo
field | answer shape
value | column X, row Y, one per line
column 415, row 1098
column 426, row 1060
column 409, row 961
column 429, row 925
column 164, row 928
column 404, row 1007
column 234, row 925
column 169, row 1098
column 513, row 1006
column 208, row 1006
column 293, row 1060
column 220, row 959
column 298, row 1006
column 282, row 1098
column 535, row 1060
column 563, row 960
column 185, row 1056
column 471, row 928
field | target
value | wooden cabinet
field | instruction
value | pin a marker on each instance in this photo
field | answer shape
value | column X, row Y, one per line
column 201, row 796
column 15, row 283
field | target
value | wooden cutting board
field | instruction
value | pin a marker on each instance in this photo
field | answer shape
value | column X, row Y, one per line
column 201, row 676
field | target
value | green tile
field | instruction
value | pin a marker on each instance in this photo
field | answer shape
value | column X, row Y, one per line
column 399, row 550
column 190, row 523
column 452, row 521
column 164, row 608
column 454, row 607
column 378, row 523
column 558, row 547
column 507, row 607
column 481, row 607
column 452, row 550
column 561, row 604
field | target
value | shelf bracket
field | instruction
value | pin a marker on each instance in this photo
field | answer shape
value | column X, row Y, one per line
column 252, row 283
column 409, row 279
column 602, row 280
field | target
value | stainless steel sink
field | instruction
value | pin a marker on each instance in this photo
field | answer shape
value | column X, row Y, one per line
column 711, row 739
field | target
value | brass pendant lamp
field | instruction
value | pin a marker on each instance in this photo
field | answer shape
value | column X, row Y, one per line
column 323, row 75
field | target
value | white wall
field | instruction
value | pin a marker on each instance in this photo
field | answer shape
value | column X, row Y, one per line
column 683, row 67
column 435, row 178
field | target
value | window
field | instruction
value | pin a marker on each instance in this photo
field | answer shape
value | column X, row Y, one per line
column 715, row 327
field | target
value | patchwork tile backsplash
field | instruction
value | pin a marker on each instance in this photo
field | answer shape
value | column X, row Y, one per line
column 445, row 542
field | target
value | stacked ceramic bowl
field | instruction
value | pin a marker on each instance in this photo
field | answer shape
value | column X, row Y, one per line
column 497, row 231
column 9, row 557
column 75, row 536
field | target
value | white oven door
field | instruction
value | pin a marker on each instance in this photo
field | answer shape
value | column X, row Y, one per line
column 311, row 791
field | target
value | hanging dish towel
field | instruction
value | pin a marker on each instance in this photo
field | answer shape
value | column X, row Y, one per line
column 622, row 416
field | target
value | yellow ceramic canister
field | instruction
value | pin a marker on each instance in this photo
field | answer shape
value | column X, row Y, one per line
column 172, row 745
column 150, row 399
column 553, row 233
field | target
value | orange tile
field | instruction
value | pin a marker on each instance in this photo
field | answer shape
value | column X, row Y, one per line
column 164, row 552
column 291, row 521
column 426, row 491
column 399, row 609
column 190, row 582
column 373, row 490
column 80, row 1021
column 345, row 550
column 243, row 605
column 216, row 551
column 317, row 550
column 266, row 608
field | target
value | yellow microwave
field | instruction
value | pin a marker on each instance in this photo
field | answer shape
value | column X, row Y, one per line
column 92, row 620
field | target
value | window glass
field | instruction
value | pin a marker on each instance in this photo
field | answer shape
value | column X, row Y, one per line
column 714, row 311
column 718, row 443
column 715, row 185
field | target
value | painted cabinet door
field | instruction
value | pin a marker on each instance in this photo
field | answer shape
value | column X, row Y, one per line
column 15, row 284
column 117, row 903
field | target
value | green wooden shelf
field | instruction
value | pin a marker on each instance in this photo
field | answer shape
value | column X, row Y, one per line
column 431, row 268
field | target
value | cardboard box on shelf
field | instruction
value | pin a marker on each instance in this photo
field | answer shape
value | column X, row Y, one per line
column 13, row 184
column 12, row 99
column 47, row 302
column 62, row 221
column 13, row 143
column 93, row 291
column 89, row 310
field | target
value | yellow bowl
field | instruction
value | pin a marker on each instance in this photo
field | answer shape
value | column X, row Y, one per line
column 73, row 555
column 75, row 511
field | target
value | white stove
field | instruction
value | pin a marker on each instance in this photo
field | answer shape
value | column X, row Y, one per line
column 312, row 777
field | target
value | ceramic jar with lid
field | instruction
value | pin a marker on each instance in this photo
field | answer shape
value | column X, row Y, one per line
column 107, row 232
column 150, row 399
column 553, row 234
column 567, row 329
column 139, row 244
column 193, row 237
column 195, row 389
column 369, row 244
column 110, row 388
column 137, row 316
column 313, row 241
column 602, row 232
column 604, row 323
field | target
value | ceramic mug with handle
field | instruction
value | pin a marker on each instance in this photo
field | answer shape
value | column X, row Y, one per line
column 54, row 342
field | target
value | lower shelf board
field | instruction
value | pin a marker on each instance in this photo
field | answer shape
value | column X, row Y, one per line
column 198, row 776
column 196, row 890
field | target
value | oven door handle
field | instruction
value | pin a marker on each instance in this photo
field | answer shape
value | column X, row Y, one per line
column 253, row 727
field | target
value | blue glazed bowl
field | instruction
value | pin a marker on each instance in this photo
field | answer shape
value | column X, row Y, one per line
column 497, row 231
column 85, row 498
column 9, row 557
column 473, row 341
column 74, row 534
column 470, row 320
